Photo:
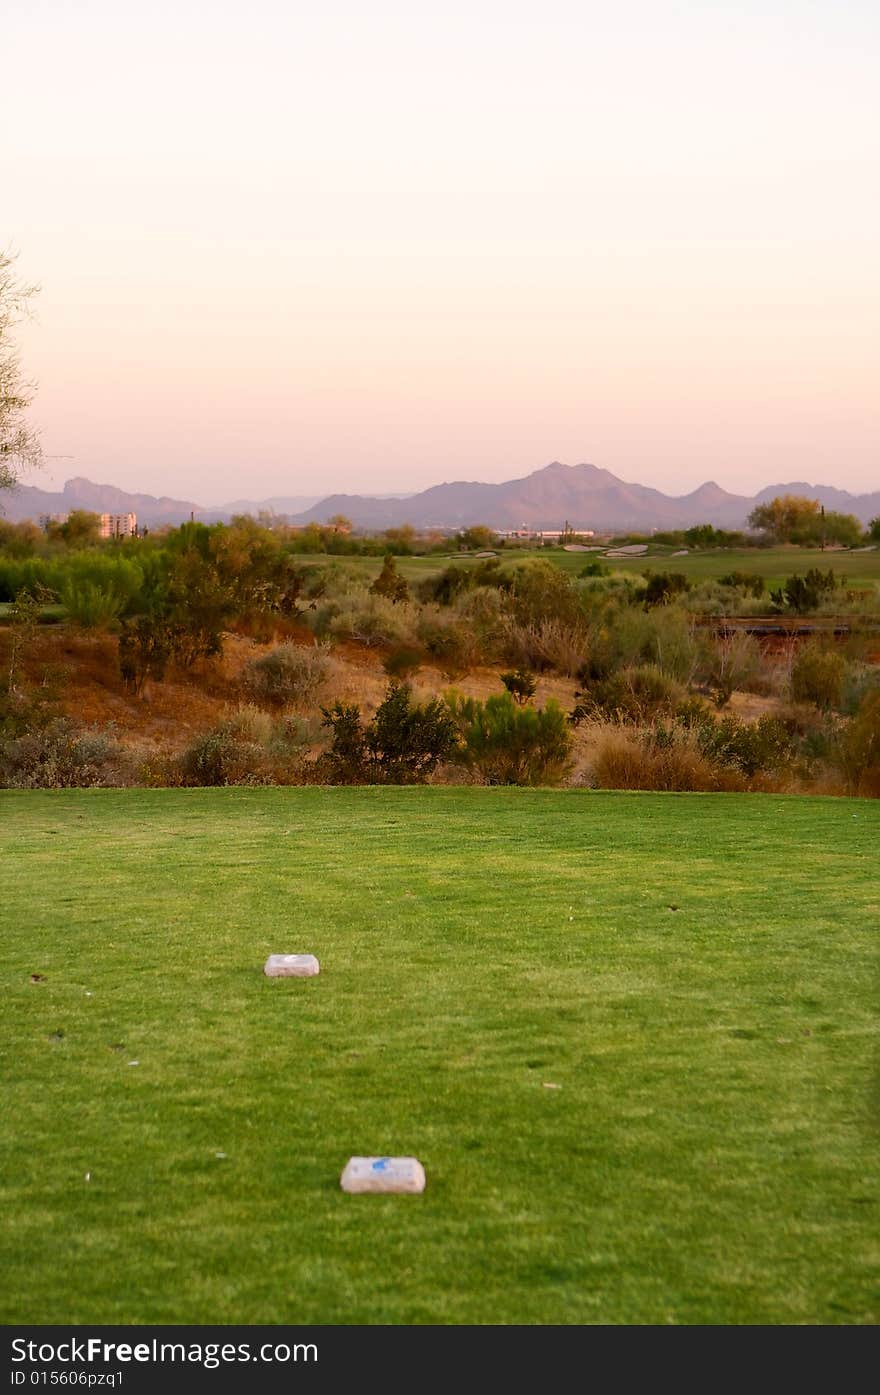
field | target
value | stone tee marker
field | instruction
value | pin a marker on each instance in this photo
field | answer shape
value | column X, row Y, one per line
column 291, row 966
column 383, row 1175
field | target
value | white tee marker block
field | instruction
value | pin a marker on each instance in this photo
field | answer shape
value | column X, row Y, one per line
column 383, row 1175
column 291, row 966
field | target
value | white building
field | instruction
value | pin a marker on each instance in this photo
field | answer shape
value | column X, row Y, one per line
column 119, row 525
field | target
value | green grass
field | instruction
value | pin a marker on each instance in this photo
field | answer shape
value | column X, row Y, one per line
column 49, row 615
column 857, row 569
column 712, row 1154
column 774, row 564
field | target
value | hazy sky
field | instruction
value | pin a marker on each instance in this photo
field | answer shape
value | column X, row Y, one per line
column 293, row 248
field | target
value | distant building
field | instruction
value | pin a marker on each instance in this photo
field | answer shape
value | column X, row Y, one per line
column 546, row 534
column 119, row 525
column 47, row 519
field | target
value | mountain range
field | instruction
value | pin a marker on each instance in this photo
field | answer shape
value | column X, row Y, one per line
column 583, row 495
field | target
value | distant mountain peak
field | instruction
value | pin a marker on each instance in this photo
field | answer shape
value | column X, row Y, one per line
column 584, row 495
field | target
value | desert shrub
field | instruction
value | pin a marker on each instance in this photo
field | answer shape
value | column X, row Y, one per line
column 630, row 695
column 91, row 605
column 858, row 684
column 859, row 748
column 750, row 747
column 541, row 591
column 521, row 684
column 595, row 567
column 403, row 744
column 622, row 761
column 145, row 646
column 287, row 676
column 449, row 640
column 61, row 756
column 749, row 583
column 817, row 676
column 696, row 751
column 662, row 588
column 403, row 661
column 626, row 636
column 371, row 620
column 511, row 745
column 455, row 581
column 407, row 740
column 730, row 662
column 560, row 645
column 247, row 748
column 671, row 643
column 222, row 756
column 804, row 593
column 622, row 586
column 483, row 612
column 389, row 583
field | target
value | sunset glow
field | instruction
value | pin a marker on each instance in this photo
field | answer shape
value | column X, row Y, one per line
column 291, row 250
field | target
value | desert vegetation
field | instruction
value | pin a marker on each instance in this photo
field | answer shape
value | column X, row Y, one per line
column 229, row 655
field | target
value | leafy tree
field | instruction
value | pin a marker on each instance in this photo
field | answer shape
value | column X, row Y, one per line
column 874, row 530
column 787, row 519
column 82, row 529
column 19, row 444
column 476, row 539
column 792, row 519
column 842, row 528
column 19, row 539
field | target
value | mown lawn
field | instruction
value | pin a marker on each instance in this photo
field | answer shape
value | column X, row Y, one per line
column 858, row 570
column 697, row 974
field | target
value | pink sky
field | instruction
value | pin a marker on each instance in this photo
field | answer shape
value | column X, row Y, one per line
column 372, row 248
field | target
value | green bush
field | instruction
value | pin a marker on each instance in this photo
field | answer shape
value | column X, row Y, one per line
column 511, row 745
column 803, row 594
column 859, row 748
column 448, row 640
column 389, row 583
column 750, row 583
column 403, row 745
column 664, row 587
column 367, row 619
column 521, row 684
column 91, row 605
column 750, row 747
column 287, row 676
column 817, row 676
column 403, row 661
column 630, row 695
